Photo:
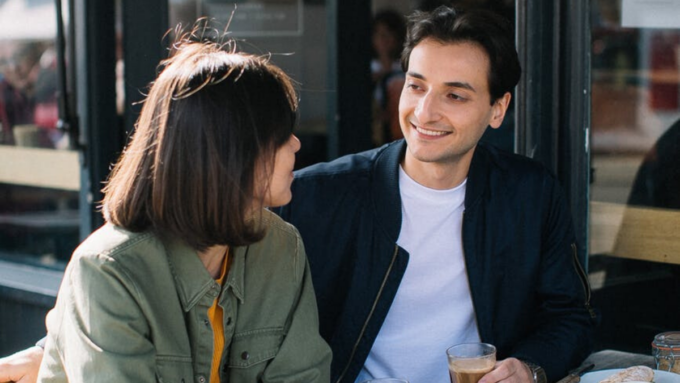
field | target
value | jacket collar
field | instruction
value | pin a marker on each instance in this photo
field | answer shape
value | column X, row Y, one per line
column 237, row 272
column 478, row 175
column 193, row 280
column 385, row 188
column 385, row 184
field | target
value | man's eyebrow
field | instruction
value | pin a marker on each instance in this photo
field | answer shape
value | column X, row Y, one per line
column 452, row 84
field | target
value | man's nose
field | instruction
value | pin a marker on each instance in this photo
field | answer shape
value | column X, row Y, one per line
column 427, row 109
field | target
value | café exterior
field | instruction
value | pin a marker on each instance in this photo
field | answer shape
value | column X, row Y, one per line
column 598, row 104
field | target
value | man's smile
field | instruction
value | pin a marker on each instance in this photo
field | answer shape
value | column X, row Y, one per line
column 427, row 132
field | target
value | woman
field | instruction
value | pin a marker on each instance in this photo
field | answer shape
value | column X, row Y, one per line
column 191, row 278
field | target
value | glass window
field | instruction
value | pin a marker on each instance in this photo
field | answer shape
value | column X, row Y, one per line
column 635, row 188
column 39, row 175
column 294, row 33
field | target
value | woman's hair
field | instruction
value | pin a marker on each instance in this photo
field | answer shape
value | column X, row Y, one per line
column 211, row 118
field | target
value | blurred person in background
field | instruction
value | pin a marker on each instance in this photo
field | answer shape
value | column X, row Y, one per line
column 389, row 32
column 19, row 74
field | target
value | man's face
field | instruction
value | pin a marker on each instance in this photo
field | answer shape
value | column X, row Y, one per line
column 445, row 105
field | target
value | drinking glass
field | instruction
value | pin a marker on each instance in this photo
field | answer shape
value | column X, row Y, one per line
column 468, row 362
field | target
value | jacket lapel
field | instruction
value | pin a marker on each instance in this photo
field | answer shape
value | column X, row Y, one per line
column 478, row 178
column 385, row 189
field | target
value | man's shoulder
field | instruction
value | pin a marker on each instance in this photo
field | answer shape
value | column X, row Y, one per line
column 515, row 165
column 344, row 184
column 325, row 184
column 351, row 165
column 512, row 175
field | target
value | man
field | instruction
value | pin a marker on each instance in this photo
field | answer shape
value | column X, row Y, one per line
column 436, row 240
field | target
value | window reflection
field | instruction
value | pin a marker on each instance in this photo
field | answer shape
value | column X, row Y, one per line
column 634, row 216
column 39, row 218
column 294, row 33
column 28, row 95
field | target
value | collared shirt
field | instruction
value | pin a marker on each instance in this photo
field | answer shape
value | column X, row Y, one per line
column 133, row 307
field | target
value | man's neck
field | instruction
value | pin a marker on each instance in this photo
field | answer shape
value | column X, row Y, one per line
column 437, row 175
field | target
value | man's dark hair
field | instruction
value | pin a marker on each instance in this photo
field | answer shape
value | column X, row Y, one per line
column 488, row 30
column 212, row 119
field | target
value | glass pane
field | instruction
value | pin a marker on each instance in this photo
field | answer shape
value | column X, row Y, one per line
column 39, row 176
column 295, row 34
column 635, row 190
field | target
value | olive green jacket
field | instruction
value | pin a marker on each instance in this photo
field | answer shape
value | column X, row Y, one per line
column 133, row 308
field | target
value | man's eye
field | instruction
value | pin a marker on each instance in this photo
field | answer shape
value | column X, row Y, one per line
column 454, row 96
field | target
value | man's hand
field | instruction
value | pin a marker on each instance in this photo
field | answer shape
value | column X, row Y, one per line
column 21, row 367
column 510, row 370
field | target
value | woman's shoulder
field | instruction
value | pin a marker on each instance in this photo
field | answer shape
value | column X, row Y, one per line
column 282, row 244
column 111, row 243
column 276, row 226
column 115, row 256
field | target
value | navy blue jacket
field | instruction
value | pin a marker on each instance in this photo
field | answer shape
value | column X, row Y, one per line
column 530, row 293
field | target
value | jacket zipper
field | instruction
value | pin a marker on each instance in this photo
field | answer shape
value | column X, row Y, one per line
column 370, row 314
column 584, row 281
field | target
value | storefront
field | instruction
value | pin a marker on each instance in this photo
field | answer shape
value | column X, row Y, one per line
column 597, row 104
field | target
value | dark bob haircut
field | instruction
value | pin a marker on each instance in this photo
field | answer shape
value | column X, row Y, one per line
column 210, row 118
column 488, row 30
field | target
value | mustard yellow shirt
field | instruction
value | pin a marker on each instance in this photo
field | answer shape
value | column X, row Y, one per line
column 215, row 315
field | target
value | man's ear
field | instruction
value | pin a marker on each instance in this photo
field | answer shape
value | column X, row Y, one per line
column 498, row 109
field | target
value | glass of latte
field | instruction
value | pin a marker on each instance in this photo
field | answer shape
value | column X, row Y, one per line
column 468, row 362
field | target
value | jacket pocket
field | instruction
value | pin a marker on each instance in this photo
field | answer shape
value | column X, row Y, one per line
column 250, row 348
column 174, row 369
column 250, row 352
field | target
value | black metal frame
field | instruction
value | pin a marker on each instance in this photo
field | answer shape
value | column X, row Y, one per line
column 145, row 23
column 349, row 106
column 553, row 97
column 96, row 106
column 537, row 106
column 103, row 133
column 574, row 164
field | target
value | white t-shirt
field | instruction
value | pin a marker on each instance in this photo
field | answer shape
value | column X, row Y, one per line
column 433, row 309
